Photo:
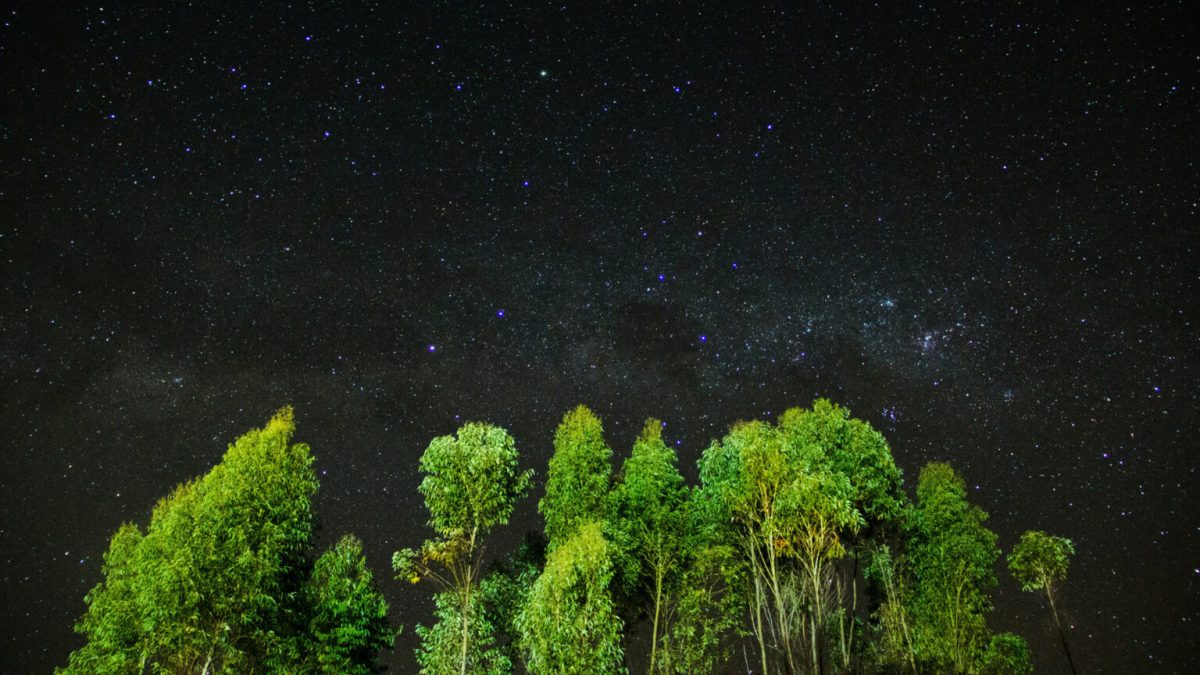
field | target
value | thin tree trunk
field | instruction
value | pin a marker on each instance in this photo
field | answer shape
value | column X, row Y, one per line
column 781, row 611
column 466, row 602
column 466, row 625
column 1062, row 635
column 658, row 582
column 817, row 615
column 759, row 629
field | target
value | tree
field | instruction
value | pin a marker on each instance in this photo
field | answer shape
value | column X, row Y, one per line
column 347, row 615
column 218, row 581
column 952, row 555
column 827, row 437
column 742, row 476
column 471, row 485
column 505, row 590
column 569, row 624
column 112, row 626
column 821, row 507
column 648, row 519
column 707, row 609
column 788, row 510
column 894, row 648
column 854, row 449
column 577, row 479
column 1038, row 562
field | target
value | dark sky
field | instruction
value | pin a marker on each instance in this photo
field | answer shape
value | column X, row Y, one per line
column 974, row 226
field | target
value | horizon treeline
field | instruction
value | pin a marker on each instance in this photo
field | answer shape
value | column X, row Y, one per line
column 798, row 551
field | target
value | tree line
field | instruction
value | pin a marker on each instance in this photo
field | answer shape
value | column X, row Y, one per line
column 798, row 551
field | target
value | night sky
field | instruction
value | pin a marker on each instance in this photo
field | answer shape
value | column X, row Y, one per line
column 976, row 227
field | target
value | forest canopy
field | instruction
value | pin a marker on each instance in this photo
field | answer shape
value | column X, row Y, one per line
column 799, row 550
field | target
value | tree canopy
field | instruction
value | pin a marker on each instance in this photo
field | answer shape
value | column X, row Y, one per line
column 471, row 484
column 569, row 623
column 577, row 479
column 222, row 579
column 798, row 551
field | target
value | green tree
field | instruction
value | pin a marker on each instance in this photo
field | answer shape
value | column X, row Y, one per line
column 569, row 624
column 648, row 520
column 707, row 611
column 440, row 652
column 788, row 510
column 893, row 648
column 952, row 555
column 820, row 509
column 505, row 590
column 852, row 448
column 112, row 624
column 347, row 615
column 471, row 485
column 1006, row 654
column 577, row 479
column 742, row 477
column 1039, row 562
column 827, row 436
column 218, row 581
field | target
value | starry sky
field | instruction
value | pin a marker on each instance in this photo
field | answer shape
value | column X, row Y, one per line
column 975, row 226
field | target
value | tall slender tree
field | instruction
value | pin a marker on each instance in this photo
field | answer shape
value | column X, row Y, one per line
column 1039, row 562
column 471, row 485
column 569, row 624
column 827, row 436
column 788, row 511
column 577, row 480
column 705, row 612
column 648, row 519
column 952, row 555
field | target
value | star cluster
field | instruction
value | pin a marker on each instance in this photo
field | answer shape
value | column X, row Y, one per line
column 974, row 226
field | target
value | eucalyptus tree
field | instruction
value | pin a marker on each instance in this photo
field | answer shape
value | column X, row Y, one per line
column 1039, row 562
column 505, row 591
column 577, row 480
column 705, row 612
column 894, row 647
column 648, row 518
column 346, row 617
column 569, row 623
column 952, row 555
column 827, row 436
column 788, row 511
column 220, row 580
column 471, row 484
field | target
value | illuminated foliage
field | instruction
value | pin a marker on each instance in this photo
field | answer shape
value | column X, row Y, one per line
column 471, row 485
column 220, row 582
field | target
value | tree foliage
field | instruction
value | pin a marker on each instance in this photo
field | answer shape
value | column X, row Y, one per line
column 569, row 624
column 853, row 449
column 705, row 613
column 952, row 554
column 1039, row 562
column 220, row 581
column 347, row 617
column 577, row 480
column 505, row 591
column 648, row 520
column 471, row 485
